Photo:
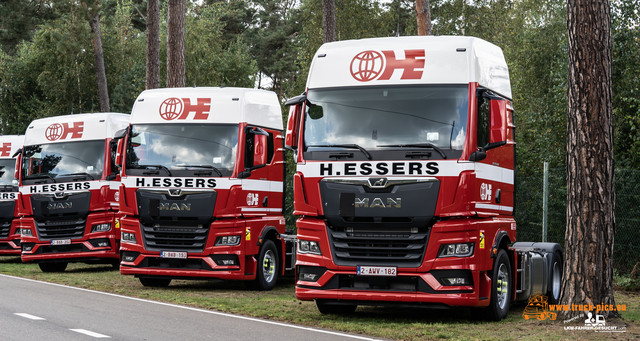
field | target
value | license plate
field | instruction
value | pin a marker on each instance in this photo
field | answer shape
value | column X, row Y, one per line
column 377, row 270
column 173, row 254
column 61, row 242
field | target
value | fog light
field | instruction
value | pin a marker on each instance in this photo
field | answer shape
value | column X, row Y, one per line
column 455, row 281
column 101, row 228
column 128, row 258
column 226, row 262
column 26, row 248
column 127, row 237
column 103, row 244
column 228, row 240
column 308, row 277
column 26, row 233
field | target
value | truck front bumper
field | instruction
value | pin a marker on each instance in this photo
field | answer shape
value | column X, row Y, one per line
column 10, row 245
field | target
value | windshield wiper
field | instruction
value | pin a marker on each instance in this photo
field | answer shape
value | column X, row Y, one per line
column 157, row 166
column 417, row 145
column 352, row 146
column 203, row 166
column 81, row 173
column 42, row 176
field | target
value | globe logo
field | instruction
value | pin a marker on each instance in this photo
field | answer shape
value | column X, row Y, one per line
column 367, row 66
column 171, row 108
column 54, row 132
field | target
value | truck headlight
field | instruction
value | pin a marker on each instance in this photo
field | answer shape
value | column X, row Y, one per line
column 456, row 250
column 26, row 233
column 127, row 237
column 227, row 240
column 307, row 246
column 101, row 228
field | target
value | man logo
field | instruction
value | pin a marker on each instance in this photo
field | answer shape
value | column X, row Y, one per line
column 176, row 108
column 167, row 206
column 377, row 182
column 59, row 205
column 378, row 202
column 59, row 131
column 368, row 65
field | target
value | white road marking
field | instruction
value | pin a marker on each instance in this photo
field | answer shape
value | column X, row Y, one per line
column 90, row 333
column 202, row 310
column 31, row 317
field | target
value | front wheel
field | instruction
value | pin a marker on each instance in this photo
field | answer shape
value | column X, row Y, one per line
column 53, row 267
column 555, row 279
column 267, row 269
column 500, row 289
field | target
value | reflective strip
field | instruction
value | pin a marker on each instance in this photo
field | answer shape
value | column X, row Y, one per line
column 495, row 207
column 260, row 209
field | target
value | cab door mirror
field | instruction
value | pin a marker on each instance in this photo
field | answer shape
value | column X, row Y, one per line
column 16, row 174
column 498, row 124
column 120, row 152
column 293, row 121
column 259, row 150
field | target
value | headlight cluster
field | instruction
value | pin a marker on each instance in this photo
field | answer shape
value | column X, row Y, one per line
column 228, row 240
column 307, row 246
column 456, row 250
column 26, row 233
column 127, row 237
column 101, row 228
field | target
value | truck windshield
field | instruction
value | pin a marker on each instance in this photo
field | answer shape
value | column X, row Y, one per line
column 63, row 162
column 7, row 172
column 182, row 150
column 384, row 118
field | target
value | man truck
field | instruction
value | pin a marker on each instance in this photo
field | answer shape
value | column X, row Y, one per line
column 69, row 191
column 405, row 179
column 202, row 187
column 9, row 221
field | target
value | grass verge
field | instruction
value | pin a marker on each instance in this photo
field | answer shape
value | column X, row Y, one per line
column 280, row 304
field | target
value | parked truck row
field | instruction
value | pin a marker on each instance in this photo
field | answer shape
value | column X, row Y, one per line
column 404, row 184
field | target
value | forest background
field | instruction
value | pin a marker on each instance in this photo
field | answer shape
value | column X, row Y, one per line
column 47, row 69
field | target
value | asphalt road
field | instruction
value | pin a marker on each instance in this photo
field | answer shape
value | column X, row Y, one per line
column 33, row 310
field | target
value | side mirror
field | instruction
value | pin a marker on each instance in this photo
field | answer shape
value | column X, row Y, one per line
column 16, row 174
column 498, row 121
column 259, row 150
column 293, row 121
column 120, row 152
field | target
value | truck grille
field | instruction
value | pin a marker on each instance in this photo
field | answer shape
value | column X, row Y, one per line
column 178, row 238
column 383, row 248
column 72, row 229
column 5, row 228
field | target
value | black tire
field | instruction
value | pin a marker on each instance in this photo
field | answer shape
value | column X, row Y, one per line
column 116, row 264
column 155, row 282
column 336, row 309
column 53, row 267
column 555, row 278
column 267, row 269
column 501, row 278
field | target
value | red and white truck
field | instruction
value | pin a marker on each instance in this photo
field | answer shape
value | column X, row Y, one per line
column 202, row 187
column 9, row 221
column 405, row 181
column 69, row 191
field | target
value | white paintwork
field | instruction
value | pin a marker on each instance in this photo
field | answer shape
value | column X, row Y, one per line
column 481, row 62
column 225, row 105
column 15, row 142
column 97, row 126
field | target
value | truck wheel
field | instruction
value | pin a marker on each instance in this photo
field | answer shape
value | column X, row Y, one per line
column 325, row 308
column 53, row 267
column 267, row 269
column 555, row 278
column 155, row 282
column 500, row 289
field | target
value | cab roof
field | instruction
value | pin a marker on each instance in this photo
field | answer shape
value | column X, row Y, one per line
column 208, row 105
column 410, row 61
column 80, row 127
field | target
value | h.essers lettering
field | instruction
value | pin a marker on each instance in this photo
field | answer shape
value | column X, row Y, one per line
column 380, row 168
column 175, row 182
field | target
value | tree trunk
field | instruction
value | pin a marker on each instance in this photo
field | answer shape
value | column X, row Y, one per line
column 423, row 8
column 588, row 265
column 152, row 80
column 329, row 20
column 175, row 43
column 103, row 91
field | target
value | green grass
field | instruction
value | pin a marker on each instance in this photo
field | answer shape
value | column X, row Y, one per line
column 280, row 304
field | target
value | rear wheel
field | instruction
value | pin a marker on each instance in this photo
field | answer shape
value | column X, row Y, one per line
column 155, row 282
column 267, row 269
column 500, row 289
column 338, row 309
column 555, row 281
column 53, row 267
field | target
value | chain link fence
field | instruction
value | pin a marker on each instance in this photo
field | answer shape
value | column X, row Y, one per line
column 529, row 211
